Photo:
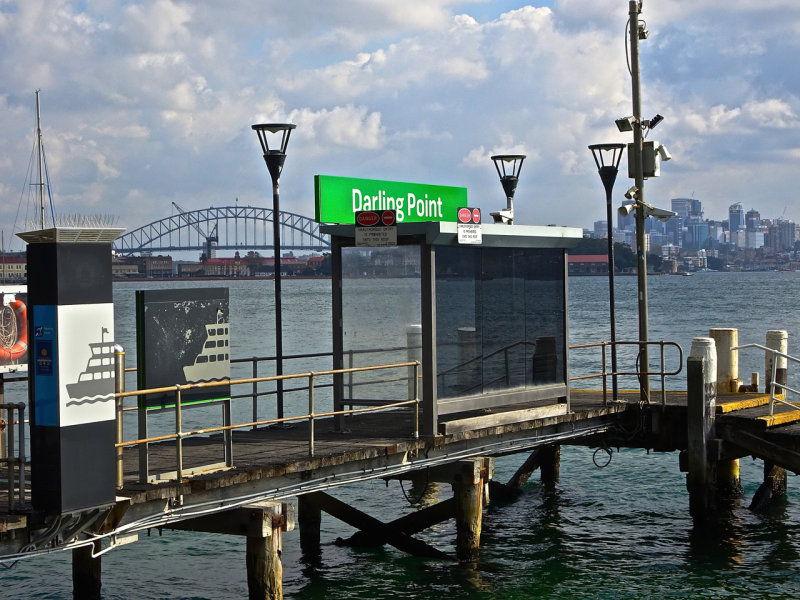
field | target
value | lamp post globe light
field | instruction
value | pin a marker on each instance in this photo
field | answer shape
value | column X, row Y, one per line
column 607, row 158
column 508, row 167
column 274, row 158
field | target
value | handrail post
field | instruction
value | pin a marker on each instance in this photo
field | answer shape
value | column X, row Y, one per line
column 255, row 392
column 417, row 365
column 777, row 342
column 311, row 414
column 10, row 458
column 21, row 452
column 178, row 434
column 119, row 387
column 663, row 376
column 605, row 375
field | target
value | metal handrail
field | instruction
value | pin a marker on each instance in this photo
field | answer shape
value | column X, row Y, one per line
column 605, row 374
column 311, row 376
column 773, row 398
column 10, row 459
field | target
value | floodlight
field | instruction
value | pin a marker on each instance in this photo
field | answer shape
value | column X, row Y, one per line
column 664, row 153
column 625, row 123
column 631, row 193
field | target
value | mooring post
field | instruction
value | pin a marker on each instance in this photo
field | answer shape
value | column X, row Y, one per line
column 86, row 573
column 701, row 388
column 777, row 339
column 729, row 483
column 726, row 338
column 467, row 485
column 309, row 520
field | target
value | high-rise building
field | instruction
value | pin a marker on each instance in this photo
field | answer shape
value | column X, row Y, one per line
column 735, row 217
column 682, row 206
column 752, row 220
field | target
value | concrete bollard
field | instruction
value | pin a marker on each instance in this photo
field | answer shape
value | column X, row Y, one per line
column 726, row 338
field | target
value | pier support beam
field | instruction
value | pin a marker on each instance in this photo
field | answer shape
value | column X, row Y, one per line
column 263, row 524
column 86, row 574
column 467, row 479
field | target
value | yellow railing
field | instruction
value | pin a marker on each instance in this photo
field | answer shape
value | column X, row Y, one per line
column 605, row 374
column 179, row 435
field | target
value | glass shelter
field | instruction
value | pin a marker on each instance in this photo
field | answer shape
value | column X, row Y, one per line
column 487, row 321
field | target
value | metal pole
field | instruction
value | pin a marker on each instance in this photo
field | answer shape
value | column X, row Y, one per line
column 276, row 244
column 641, row 253
column 612, row 303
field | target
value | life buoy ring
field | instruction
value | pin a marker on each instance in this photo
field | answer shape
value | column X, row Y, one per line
column 20, row 347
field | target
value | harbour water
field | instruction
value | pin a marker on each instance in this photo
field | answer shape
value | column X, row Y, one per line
column 619, row 532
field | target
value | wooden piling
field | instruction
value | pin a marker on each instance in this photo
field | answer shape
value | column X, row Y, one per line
column 264, row 568
column 468, row 495
column 550, row 466
column 701, row 388
column 773, row 487
column 309, row 519
column 263, row 524
column 86, row 574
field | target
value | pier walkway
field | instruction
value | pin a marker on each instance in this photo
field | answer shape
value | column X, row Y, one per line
column 272, row 463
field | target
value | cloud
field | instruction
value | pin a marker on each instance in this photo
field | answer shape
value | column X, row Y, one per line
column 349, row 126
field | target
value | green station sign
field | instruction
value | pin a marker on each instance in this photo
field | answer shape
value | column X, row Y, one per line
column 338, row 199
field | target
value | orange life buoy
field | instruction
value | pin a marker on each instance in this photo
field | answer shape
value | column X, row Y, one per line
column 20, row 347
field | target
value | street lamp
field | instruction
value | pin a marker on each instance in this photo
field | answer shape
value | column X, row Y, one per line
column 274, row 158
column 607, row 158
column 508, row 167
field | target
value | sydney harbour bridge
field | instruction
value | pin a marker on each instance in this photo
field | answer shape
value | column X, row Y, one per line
column 242, row 228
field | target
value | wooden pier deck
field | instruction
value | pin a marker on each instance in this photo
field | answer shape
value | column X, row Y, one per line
column 274, row 462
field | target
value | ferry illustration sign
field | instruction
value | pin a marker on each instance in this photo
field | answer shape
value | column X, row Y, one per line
column 338, row 199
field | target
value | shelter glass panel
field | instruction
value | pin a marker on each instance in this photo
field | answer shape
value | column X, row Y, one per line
column 500, row 319
column 381, row 321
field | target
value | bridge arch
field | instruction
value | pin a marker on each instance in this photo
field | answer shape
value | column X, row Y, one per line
column 234, row 227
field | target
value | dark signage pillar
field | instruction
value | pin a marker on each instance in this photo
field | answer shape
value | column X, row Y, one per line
column 71, row 372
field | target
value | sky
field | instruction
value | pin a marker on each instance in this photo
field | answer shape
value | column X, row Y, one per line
column 145, row 103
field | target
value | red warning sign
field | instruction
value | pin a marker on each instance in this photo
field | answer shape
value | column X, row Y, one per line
column 476, row 215
column 367, row 218
column 388, row 217
column 464, row 215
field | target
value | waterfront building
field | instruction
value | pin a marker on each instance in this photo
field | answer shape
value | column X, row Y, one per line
column 13, row 267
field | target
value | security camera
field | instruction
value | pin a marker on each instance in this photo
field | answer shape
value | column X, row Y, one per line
column 655, row 121
column 626, row 209
column 664, row 153
column 661, row 214
column 625, row 124
column 505, row 216
column 631, row 193
column 643, row 32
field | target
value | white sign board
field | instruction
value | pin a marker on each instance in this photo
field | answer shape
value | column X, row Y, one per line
column 469, row 233
column 376, row 237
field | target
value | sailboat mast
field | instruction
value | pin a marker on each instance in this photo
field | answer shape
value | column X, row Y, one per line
column 41, row 161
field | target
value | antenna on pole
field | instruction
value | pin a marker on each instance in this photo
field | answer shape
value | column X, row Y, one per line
column 40, row 155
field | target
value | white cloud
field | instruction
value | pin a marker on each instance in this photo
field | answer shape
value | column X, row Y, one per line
column 352, row 127
column 773, row 113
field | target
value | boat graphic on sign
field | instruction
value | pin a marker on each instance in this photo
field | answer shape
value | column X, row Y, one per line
column 213, row 362
column 96, row 381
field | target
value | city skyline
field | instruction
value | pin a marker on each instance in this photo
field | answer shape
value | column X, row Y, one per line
column 150, row 102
